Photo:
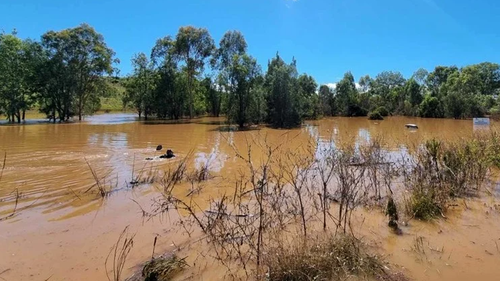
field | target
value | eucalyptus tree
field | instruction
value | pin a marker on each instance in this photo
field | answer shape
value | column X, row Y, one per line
column 243, row 73
column 193, row 46
column 78, row 58
column 141, row 85
column 283, row 95
column 327, row 100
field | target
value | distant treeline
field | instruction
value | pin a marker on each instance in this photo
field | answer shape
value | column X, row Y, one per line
column 67, row 72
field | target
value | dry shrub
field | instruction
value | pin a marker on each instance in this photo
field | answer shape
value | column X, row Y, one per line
column 332, row 258
column 163, row 268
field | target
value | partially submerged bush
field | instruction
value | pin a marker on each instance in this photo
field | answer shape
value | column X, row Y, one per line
column 375, row 115
column 383, row 111
column 440, row 172
column 425, row 204
column 334, row 258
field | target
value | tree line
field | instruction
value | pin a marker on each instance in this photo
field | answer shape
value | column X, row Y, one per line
column 65, row 74
column 62, row 74
column 173, row 81
column 450, row 92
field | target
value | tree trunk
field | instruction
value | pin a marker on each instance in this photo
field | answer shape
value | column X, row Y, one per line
column 24, row 114
column 190, row 97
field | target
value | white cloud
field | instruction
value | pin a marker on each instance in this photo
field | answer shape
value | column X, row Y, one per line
column 331, row 85
column 334, row 85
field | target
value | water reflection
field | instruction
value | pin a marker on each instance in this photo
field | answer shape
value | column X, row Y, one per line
column 47, row 162
column 110, row 119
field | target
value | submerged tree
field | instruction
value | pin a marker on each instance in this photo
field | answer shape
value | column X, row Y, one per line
column 309, row 99
column 283, row 99
column 140, row 87
column 327, row 100
column 243, row 73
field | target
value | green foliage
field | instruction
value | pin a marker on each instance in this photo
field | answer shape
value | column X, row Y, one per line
column 68, row 73
column 309, row 100
column 444, row 171
column 412, row 89
column 77, row 60
column 19, row 60
column 327, row 101
column 423, row 204
column 243, row 73
column 430, row 107
column 193, row 46
column 383, row 111
column 375, row 115
column 284, row 98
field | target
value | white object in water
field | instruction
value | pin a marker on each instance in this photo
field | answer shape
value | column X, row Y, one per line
column 481, row 121
column 411, row 126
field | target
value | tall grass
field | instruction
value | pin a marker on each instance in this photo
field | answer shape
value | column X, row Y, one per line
column 118, row 255
column 440, row 172
column 329, row 258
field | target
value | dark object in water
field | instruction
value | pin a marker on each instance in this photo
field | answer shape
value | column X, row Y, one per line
column 411, row 126
column 159, row 147
column 168, row 155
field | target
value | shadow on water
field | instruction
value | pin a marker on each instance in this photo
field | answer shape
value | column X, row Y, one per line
column 29, row 122
column 234, row 128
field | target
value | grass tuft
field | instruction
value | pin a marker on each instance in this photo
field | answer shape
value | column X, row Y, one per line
column 334, row 258
column 163, row 268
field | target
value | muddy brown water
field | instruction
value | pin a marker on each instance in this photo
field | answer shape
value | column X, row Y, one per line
column 61, row 232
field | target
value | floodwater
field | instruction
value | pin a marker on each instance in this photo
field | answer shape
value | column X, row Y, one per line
column 62, row 230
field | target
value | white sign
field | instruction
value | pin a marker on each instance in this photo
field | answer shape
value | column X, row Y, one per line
column 481, row 121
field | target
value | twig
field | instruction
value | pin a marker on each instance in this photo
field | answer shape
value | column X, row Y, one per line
column 120, row 254
column 3, row 164
column 15, row 208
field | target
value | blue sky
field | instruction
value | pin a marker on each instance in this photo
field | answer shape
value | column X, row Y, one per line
column 327, row 37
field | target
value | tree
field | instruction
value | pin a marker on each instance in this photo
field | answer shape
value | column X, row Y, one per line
column 365, row 83
column 412, row 90
column 283, row 98
column 232, row 44
column 242, row 75
column 309, row 100
column 85, row 58
column 169, row 95
column 347, row 97
column 439, row 77
column 389, row 79
column 430, row 107
column 193, row 46
column 420, row 76
column 141, row 85
column 213, row 97
column 327, row 100
column 19, row 60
